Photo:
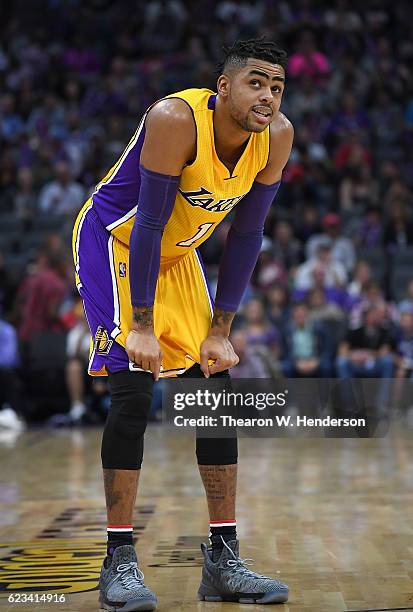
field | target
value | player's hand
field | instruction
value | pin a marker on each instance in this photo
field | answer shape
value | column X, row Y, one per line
column 220, row 349
column 143, row 349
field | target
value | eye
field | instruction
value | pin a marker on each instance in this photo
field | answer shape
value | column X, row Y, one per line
column 255, row 82
column 276, row 89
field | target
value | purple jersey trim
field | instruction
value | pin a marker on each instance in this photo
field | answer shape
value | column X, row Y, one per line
column 211, row 102
column 116, row 197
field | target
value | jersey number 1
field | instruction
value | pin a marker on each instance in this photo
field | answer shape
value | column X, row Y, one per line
column 202, row 230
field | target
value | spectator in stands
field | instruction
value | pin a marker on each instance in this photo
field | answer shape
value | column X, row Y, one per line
column 321, row 308
column 404, row 343
column 307, row 223
column 358, row 190
column 278, row 305
column 308, row 61
column 370, row 231
column 361, row 276
column 367, row 350
column 333, row 272
column 25, row 200
column 404, row 353
column 7, row 287
column 10, row 401
column 62, row 196
column 285, row 247
column 332, row 294
column 398, row 232
column 371, row 295
column 43, row 296
column 261, row 334
column 342, row 249
column 407, row 302
column 304, row 350
column 268, row 270
column 251, row 364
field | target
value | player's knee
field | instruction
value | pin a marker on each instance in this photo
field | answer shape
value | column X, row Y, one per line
column 217, row 451
column 122, row 442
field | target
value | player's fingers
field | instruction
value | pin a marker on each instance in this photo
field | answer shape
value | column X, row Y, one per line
column 156, row 368
column 146, row 364
column 204, row 364
column 235, row 360
column 219, row 366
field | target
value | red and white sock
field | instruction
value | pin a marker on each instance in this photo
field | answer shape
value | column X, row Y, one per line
column 119, row 535
column 225, row 528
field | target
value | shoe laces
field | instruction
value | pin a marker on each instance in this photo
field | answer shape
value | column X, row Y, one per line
column 130, row 574
column 236, row 563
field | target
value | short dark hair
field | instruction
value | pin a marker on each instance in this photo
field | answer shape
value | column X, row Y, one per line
column 237, row 55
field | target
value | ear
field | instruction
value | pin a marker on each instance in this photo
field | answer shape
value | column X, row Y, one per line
column 223, row 85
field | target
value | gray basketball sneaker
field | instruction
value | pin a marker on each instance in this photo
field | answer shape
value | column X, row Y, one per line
column 230, row 580
column 121, row 583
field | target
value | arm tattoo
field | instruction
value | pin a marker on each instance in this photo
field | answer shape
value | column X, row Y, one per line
column 143, row 317
column 222, row 319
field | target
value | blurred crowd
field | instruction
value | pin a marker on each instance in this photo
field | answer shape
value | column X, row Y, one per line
column 332, row 294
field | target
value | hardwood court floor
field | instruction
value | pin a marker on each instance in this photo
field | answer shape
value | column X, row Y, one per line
column 333, row 518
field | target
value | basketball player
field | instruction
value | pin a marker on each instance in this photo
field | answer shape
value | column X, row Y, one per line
column 195, row 156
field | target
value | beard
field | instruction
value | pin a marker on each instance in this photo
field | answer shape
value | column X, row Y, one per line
column 244, row 120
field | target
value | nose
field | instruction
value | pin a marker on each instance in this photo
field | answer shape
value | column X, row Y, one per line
column 266, row 96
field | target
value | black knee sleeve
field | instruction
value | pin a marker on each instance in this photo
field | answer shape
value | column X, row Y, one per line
column 214, row 451
column 122, row 441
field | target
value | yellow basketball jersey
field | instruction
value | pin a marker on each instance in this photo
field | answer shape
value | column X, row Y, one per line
column 207, row 191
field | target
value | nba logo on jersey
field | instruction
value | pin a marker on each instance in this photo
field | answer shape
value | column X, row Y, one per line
column 122, row 269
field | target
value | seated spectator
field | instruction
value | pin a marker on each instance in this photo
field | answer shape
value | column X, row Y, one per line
column 304, row 350
column 334, row 273
column 321, row 308
column 308, row 61
column 278, row 305
column 404, row 354
column 408, row 300
column 307, row 224
column 261, row 334
column 371, row 295
column 251, row 364
column 268, row 271
column 370, row 231
column 286, row 248
column 62, row 196
column 404, row 344
column 342, row 249
column 25, row 200
column 357, row 190
column 398, row 232
column 332, row 294
column 361, row 276
column 367, row 350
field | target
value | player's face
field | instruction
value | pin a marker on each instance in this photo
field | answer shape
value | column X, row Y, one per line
column 255, row 94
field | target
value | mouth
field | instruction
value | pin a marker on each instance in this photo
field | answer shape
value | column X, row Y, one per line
column 262, row 113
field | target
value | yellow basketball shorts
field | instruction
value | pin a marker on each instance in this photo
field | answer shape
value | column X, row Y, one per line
column 182, row 309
